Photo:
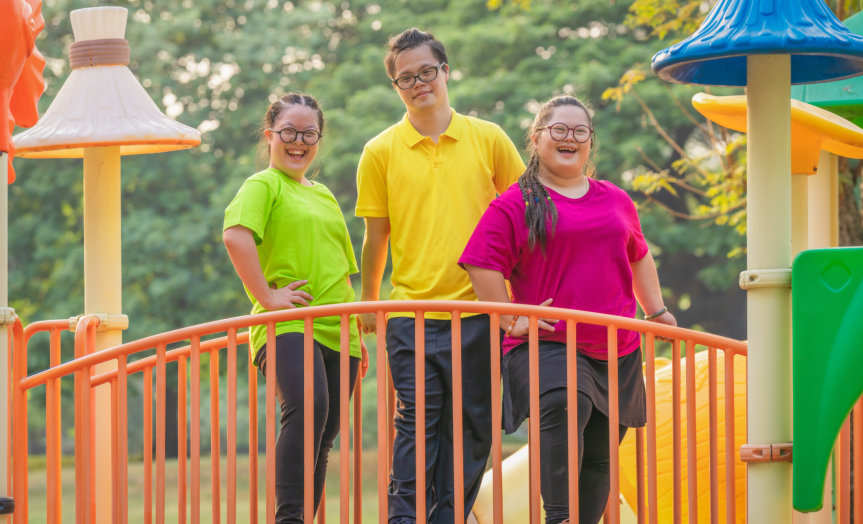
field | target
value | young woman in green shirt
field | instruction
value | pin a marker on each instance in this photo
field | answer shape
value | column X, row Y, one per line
column 287, row 239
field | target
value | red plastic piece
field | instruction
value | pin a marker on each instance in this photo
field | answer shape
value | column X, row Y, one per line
column 21, row 66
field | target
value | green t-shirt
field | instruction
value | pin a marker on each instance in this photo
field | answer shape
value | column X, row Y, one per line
column 301, row 235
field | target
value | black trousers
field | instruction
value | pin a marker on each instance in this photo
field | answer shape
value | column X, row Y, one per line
column 290, row 442
column 476, row 388
column 594, row 478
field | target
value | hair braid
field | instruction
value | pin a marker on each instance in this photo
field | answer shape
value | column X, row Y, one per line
column 538, row 205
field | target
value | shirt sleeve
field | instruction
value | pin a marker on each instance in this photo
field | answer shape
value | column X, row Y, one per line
column 250, row 208
column 494, row 243
column 371, row 186
column 636, row 246
column 508, row 165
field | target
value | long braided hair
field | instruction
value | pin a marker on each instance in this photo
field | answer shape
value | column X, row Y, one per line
column 539, row 207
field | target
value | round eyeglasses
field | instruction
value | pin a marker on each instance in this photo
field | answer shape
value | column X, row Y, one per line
column 559, row 132
column 426, row 74
column 289, row 135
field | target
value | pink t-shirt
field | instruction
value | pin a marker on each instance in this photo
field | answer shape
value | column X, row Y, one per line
column 586, row 264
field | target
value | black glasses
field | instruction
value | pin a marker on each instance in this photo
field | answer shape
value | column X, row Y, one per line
column 426, row 74
column 559, row 132
column 289, row 135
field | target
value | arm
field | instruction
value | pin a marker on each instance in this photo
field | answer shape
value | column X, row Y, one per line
column 645, row 284
column 240, row 244
column 490, row 286
column 374, row 259
column 364, row 359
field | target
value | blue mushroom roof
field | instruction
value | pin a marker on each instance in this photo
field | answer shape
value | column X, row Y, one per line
column 821, row 48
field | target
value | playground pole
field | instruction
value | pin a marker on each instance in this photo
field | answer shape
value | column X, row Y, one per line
column 824, row 203
column 768, row 291
column 6, row 315
column 103, row 294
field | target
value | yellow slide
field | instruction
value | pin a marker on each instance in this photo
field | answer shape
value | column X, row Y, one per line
column 516, row 472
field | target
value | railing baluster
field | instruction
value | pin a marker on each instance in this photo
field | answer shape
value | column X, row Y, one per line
column 858, row 461
column 344, row 418
column 232, row 427
column 215, row 434
column 148, row 445
column 195, row 429
column 496, row 416
column 271, row 423
column 308, row 419
column 457, row 422
column 253, row 442
column 572, row 417
column 420, row 416
column 730, row 445
column 384, row 423
column 844, row 509
column 533, row 422
column 613, row 427
column 650, row 386
column 122, row 464
column 181, row 440
column 713, row 391
column 161, row 404
column 676, row 434
column 54, row 431
column 691, row 435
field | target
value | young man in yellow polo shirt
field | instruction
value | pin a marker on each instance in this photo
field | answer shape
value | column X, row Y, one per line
column 424, row 183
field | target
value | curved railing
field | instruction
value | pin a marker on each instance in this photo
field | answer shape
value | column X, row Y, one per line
column 153, row 353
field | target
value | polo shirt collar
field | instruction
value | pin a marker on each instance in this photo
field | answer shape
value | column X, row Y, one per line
column 413, row 137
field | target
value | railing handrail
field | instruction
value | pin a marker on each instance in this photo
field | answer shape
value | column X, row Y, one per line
column 383, row 306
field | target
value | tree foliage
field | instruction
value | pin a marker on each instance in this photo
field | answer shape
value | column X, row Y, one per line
column 217, row 64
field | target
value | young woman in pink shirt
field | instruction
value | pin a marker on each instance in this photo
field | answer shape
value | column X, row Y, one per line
column 561, row 237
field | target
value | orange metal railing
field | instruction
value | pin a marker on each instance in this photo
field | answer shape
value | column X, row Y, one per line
column 185, row 347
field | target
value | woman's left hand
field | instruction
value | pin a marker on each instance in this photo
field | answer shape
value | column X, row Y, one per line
column 666, row 318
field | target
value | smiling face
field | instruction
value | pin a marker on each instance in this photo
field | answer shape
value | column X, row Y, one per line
column 423, row 96
column 566, row 158
column 293, row 159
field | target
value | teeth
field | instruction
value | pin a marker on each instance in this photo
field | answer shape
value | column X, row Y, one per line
column 296, row 153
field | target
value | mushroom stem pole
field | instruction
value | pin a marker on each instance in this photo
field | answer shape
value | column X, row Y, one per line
column 769, row 307
column 102, row 294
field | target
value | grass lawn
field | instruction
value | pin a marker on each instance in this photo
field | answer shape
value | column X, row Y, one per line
column 37, row 489
column 38, row 511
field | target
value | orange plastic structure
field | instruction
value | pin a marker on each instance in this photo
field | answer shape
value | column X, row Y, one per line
column 812, row 129
column 21, row 65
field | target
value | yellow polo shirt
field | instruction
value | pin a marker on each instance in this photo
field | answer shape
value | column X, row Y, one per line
column 434, row 194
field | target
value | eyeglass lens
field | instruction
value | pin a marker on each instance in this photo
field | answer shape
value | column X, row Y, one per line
column 560, row 131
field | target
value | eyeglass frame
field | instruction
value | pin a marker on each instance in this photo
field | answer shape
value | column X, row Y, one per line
column 297, row 133
column 568, row 130
column 416, row 77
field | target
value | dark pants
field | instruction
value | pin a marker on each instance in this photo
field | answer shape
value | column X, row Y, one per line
column 289, row 444
column 594, row 478
column 476, row 400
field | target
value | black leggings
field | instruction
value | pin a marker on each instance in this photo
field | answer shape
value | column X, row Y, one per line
column 594, row 478
column 289, row 444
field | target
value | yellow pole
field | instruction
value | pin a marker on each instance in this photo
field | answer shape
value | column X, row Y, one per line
column 800, row 214
column 5, row 314
column 768, row 267
column 809, row 215
column 824, row 203
column 822, row 217
column 102, row 293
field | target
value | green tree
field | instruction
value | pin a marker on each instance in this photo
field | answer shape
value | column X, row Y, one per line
column 217, row 64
